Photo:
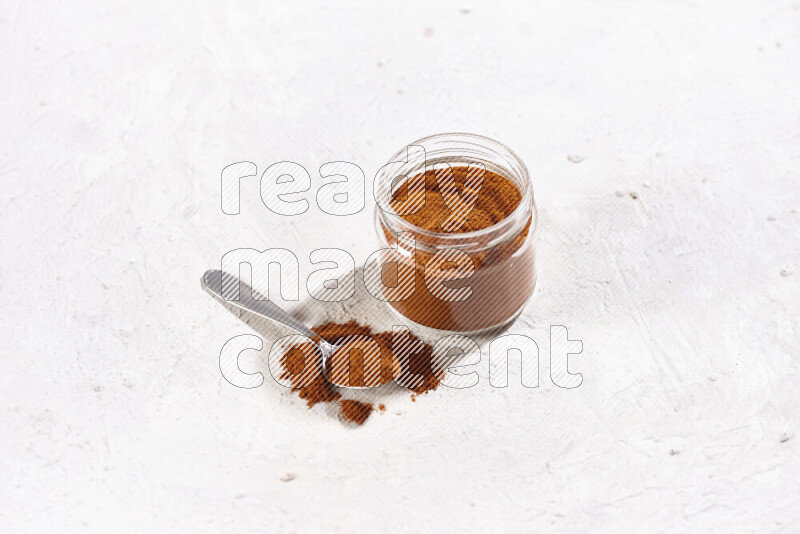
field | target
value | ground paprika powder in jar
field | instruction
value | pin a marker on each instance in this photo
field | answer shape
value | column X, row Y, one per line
column 455, row 220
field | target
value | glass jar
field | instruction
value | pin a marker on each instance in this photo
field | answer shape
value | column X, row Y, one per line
column 503, row 256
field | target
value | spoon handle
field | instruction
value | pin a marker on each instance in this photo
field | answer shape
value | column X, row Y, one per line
column 224, row 286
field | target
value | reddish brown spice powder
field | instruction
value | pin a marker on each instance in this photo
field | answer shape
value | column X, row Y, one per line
column 497, row 198
column 404, row 358
column 503, row 279
column 366, row 361
column 355, row 411
column 301, row 365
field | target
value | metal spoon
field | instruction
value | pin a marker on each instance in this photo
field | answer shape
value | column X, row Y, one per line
column 224, row 286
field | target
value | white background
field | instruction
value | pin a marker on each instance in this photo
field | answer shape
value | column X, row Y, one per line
column 116, row 120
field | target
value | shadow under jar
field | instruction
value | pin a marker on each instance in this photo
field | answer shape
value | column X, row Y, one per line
column 497, row 235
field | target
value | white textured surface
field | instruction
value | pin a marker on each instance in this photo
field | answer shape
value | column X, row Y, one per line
column 116, row 120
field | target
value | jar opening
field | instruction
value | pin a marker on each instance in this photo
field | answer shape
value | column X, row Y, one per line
column 461, row 149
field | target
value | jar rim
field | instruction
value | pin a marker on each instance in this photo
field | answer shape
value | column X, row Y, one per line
column 519, row 216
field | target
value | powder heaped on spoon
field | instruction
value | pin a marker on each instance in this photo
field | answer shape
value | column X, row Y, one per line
column 404, row 358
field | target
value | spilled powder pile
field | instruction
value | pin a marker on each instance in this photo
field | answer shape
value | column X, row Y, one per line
column 401, row 357
column 355, row 411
